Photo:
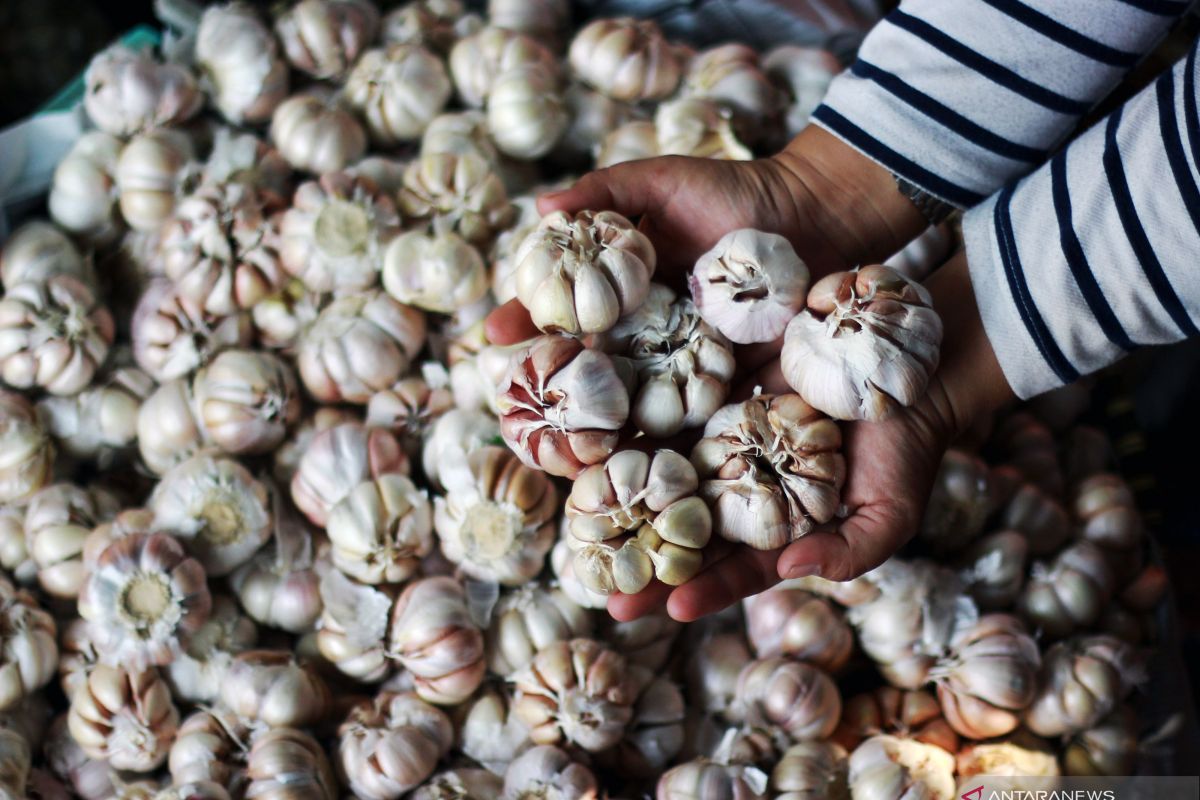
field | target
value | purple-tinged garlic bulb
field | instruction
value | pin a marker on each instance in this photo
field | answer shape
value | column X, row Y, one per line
column 703, row 778
column 380, row 530
column 528, row 619
column 337, row 460
column 28, row 649
column 148, row 174
column 172, row 335
column 459, row 193
column 410, row 408
column 907, row 714
column 240, row 61
column 959, row 503
column 274, row 688
column 127, row 92
column 1069, row 593
column 655, row 734
column 246, row 400
column 58, row 520
column 288, row 764
column 124, row 717
column 15, row 762
column 625, row 58
column 389, row 745
column 1040, row 517
column 798, row 698
column 440, row 273
column 210, row 745
column 88, row 778
column 1107, row 513
column 197, row 673
column 713, row 669
column 1081, row 682
column 890, row 768
column 803, row 626
column 323, row 38
column 433, row 636
column 549, row 773
column 83, row 193
column 1026, row 443
column 398, row 90
column 810, row 771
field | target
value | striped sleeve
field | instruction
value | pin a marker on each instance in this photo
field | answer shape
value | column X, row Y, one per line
column 961, row 96
column 1096, row 252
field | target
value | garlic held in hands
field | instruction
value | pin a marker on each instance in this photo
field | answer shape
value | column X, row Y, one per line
column 456, row 192
column 1082, row 681
column 794, row 623
column 626, row 59
column 272, row 687
column 749, row 285
column 389, row 745
column 398, row 90
column 381, row 530
column 798, row 698
column 891, row 768
column 867, row 344
column 478, row 60
column 562, row 405
column 124, row 717
column 526, row 111
column 324, row 37
column 433, row 636
column 770, row 469
column 245, row 400
column 288, row 764
column 579, row 274
column 240, row 61
column 28, row 650
column 544, row 772
column 316, row 134
column 436, row 272
column 128, row 92
column 337, row 460
column 701, row 779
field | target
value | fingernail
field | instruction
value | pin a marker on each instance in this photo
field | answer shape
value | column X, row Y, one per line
column 802, row 571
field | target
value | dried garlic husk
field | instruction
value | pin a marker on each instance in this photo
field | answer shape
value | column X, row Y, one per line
column 412, row 406
column 867, row 343
column 811, row 771
column 545, row 20
column 526, row 111
column 1109, row 748
column 240, row 61
column 453, row 436
column 496, row 519
column 794, row 623
column 126, row 718
column 168, row 432
column 562, row 405
column 100, row 424
column 211, row 745
column 288, row 764
column 147, row 175
column 398, row 90
column 28, row 650
column 804, row 75
column 1107, row 513
column 83, row 193
column 457, row 133
column 197, row 673
column 993, row 569
column 172, row 335
column 127, row 91
column 217, row 508
column 460, row 784
column 381, row 530
column 798, row 698
column 359, row 345
column 26, row 454
column 528, row 619
column 959, row 503
column 478, row 60
column 245, row 400
column 433, row 636
column 436, row 272
column 626, row 59
column 339, row 459
column 696, row 127
column 629, row 141
column 1040, row 517
column 1082, row 681
column 713, row 669
column 53, row 335
column 988, row 677
column 57, row 521
column 562, row 560
column 580, row 273
column 732, row 75
column 389, row 745
column 274, row 688
column 548, row 773
column 316, row 133
column 38, row 251
column 702, row 779
column 352, row 633
column 1069, row 593
column 888, row 768
column 770, row 469
column 907, row 714
column 1006, row 759
column 324, row 37
column 489, row 732
column 457, row 193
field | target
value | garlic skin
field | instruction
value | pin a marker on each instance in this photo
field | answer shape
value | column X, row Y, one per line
column 26, row 453
column 168, row 432
column 526, row 111
column 38, row 251
column 337, row 460
column 1109, row 748
column 53, row 335
column 732, row 76
column 798, row 698
column 282, row 317
column 458, row 193
column 867, row 344
column 352, row 632
column 479, row 60
column 770, row 468
column 125, row 718
column 889, row 768
column 528, row 619
column 389, row 745
column 217, row 509
column 196, row 674
column 629, row 141
column 316, row 134
column 453, row 436
column 489, row 732
column 15, row 762
column 702, row 778
column 1069, row 593
column 699, row 128
column 496, row 520
column 810, row 771
column 83, row 193
column 1082, row 681
column 360, row 344
column 272, row 687
column 246, row 400
column 435, row 272
column 908, row 714
column 578, row 274
column 127, row 92
column 433, row 636
column 993, row 569
column 411, row 408
column 57, row 522
column 1006, row 759
column 381, row 530
column 959, row 503
column 625, row 58
column 804, row 75
column 458, row 133
column 147, row 175
column 794, row 623
column 288, row 764
column 549, row 773
column 324, row 37
column 712, row 670
column 240, row 61
column 100, row 424
column 398, row 90
column 28, row 649
column 172, row 335
column 562, row 405
column 460, row 784
column 1107, row 512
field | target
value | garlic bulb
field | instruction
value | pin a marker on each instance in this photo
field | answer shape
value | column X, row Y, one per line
column 337, row 460
column 562, row 405
column 702, row 779
column 577, row 691
column 713, row 669
column 579, row 274
column 100, row 424
column 489, row 732
column 389, row 745
column 359, row 345
column 433, row 23
column 1109, row 748
column 433, row 636
column 272, row 687
column 867, row 343
column 57, row 521
column 126, row 718
column 958, row 504
column 14, row 555
column 216, row 508
column 1006, row 759
column 26, row 454
column 528, row 619
column 245, row 400
column 625, row 58
column 593, row 116
column 1040, row 517
column 562, row 560
column 38, row 251
column 907, row 714
column 526, row 112
column 83, row 194
column 794, row 623
column 28, row 650
column 324, row 37
column 316, row 134
column 457, row 193
column 460, row 784
column 398, row 90
column 352, row 633
column 244, row 158
column 15, row 762
column 1026, row 443
column 1082, row 681
column 732, row 76
column 475, row 378
column 168, row 432
column 172, row 335
column 115, row 526
column 78, row 655
column 546, row 20
column 381, row 530
column 549, row 773
column 655, row 735
column 240, row 60
column 278, row 587
column 479, row 60
column 458, row 133
column 993, row 569
column 804, row 75
column 128, row 92
column 699, row 128
column 454, row 436
column 630, row 141
column 410, row 409
column 53, row 335
column 88, row 778
column 647, row 641
column 1069, row 593
column 196, row 674
column 810, row 771
column 288, row 764
column 795, row 697
column 147, row 175
column 888, row 768
column 770, row 469
column 280, row 318
column 436, row 272
column 1105, row 507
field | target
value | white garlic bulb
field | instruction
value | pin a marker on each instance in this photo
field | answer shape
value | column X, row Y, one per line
column 546, row 20
column 324, row 37
column 100, row 424
column 1024, row 442
column 280, row 318
column 810, row 771
column 794, row 623
column 240, row 61
column 172, row 335
column 398, row 90
column 389, row 745
column 489, row 732
column 526, row 111
column 274, row 688
column 732, row 75
column 288, row 764
column 993, row 569
column 459, row 193
column 959, row 503
column 527, row 619
column 433, row 636
column 455, row 435
column 770, row 469
column 38, row 251
column 713, row 669
column 58, row 520
column 631, row 141
column 580, row 273
column 245, row 400
column 168, row 432
column 1109, row 748
column 460, row 784
column 1082, row 681
column 381, row 530
column 436, row 24
column 27, row 454
column 83, row 193
column 436, row 272
column 245, row 159
column 28, row 650
column 337, row 460
column 545, row 773
column 316, row 134
column 798, row 698
column 702, row 778
column 14, row 554
column 891, row 768
column 352, row 632
column 279, row 586
column 627, row 59
column 458, row 133
column 89, row 778
column 411, row 407
column 655, row 735
column 699, row 128
column 124, row 717
column 647, row 641
column 1069, row 593
column 128, row 92
column 1040, row 517
column 478, row 60
column 147, row 175
column 1107, row 512
column 804, row 74
column 593, row 117
column 197, row 673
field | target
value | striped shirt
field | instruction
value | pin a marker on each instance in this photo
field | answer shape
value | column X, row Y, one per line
column 1077, row 254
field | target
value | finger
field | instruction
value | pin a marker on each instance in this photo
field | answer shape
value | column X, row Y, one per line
column 627, row 607
column 509, row 324
column 740, row 574
column 628, row 188
column 861, row 543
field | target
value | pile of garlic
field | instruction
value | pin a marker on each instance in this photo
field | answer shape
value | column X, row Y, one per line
column 277, row 519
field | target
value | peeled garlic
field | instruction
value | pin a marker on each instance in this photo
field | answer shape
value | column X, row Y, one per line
column 398, row 90
column 433, row 636
column 457, row 193
column 810, row 771
column 959, row 503
column 83, row 194
column 147, row 175
column 478, row 60
column 625, row 58
column 460, row 784
column 127, row 92
column 441, row 273
column 272, row 687
column 699, row 128
column 454, row 436
column 316, row 134
column 1069, row 593
column 197, row 673
column 562, row 405
column 1109, row 748
column 172, row 335
column 240, row 61
column 124, row 717
column 770, row 469
column 1082, row 681
column 804, row 74
column 1005, row 759
column 548, row 773
column 380, row 530
column 579, row 274
column 798, row 698
column 324, row 37
column 629, row 141
column 288, row 764
column 528, row 619
column 337, row 460
column 245, row 400
column 1040, row 517
column 526, row 111
column 389, row 745
column 794, row 623
column 28, row 650
column 889, row 768
column 993, row 569
column 359, row 345
column 57, row 522
column 26, row 454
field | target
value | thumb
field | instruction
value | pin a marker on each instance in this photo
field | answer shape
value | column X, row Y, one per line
column 630, row 188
